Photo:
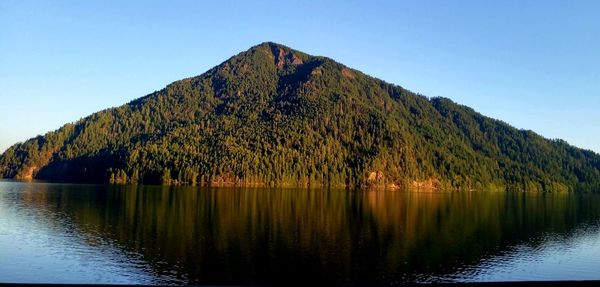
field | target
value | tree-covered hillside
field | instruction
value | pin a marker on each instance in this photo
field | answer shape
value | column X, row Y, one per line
column 276, row 116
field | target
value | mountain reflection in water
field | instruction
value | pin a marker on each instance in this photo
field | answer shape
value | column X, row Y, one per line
column 174, row 235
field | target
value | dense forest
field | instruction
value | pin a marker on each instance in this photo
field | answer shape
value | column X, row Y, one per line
column 278, row 117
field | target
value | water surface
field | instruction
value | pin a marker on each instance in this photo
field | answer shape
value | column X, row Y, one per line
column 67, row 233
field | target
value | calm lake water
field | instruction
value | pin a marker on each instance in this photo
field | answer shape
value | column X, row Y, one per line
column 67, row 233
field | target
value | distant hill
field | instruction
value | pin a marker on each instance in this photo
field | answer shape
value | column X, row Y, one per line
column 275, row 116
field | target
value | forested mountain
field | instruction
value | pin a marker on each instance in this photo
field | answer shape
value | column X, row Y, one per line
column 275, row 116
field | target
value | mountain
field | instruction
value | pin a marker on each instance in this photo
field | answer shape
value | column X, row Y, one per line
column 279, row 117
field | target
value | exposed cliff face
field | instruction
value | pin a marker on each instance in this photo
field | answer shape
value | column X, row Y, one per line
column 276, row 116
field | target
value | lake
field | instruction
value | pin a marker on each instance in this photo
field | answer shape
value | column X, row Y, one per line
column 69, row 233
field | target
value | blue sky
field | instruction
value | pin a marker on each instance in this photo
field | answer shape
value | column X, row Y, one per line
column 533, row 64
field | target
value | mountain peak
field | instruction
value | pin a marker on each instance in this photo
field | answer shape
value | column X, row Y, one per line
column 271, row 46
column 280, row 55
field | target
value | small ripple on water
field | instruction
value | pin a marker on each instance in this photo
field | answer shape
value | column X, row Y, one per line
column 32, row 241
column 555, row 257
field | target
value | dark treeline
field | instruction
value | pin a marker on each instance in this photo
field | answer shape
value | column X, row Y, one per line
column 276, row 116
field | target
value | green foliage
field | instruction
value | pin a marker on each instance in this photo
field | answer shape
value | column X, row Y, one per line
column 275, row 116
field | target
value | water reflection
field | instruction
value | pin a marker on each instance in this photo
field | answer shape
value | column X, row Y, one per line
column 40, row 244
column 262, row 236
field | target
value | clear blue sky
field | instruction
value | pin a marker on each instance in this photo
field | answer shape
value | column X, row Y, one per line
column 533, row 64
